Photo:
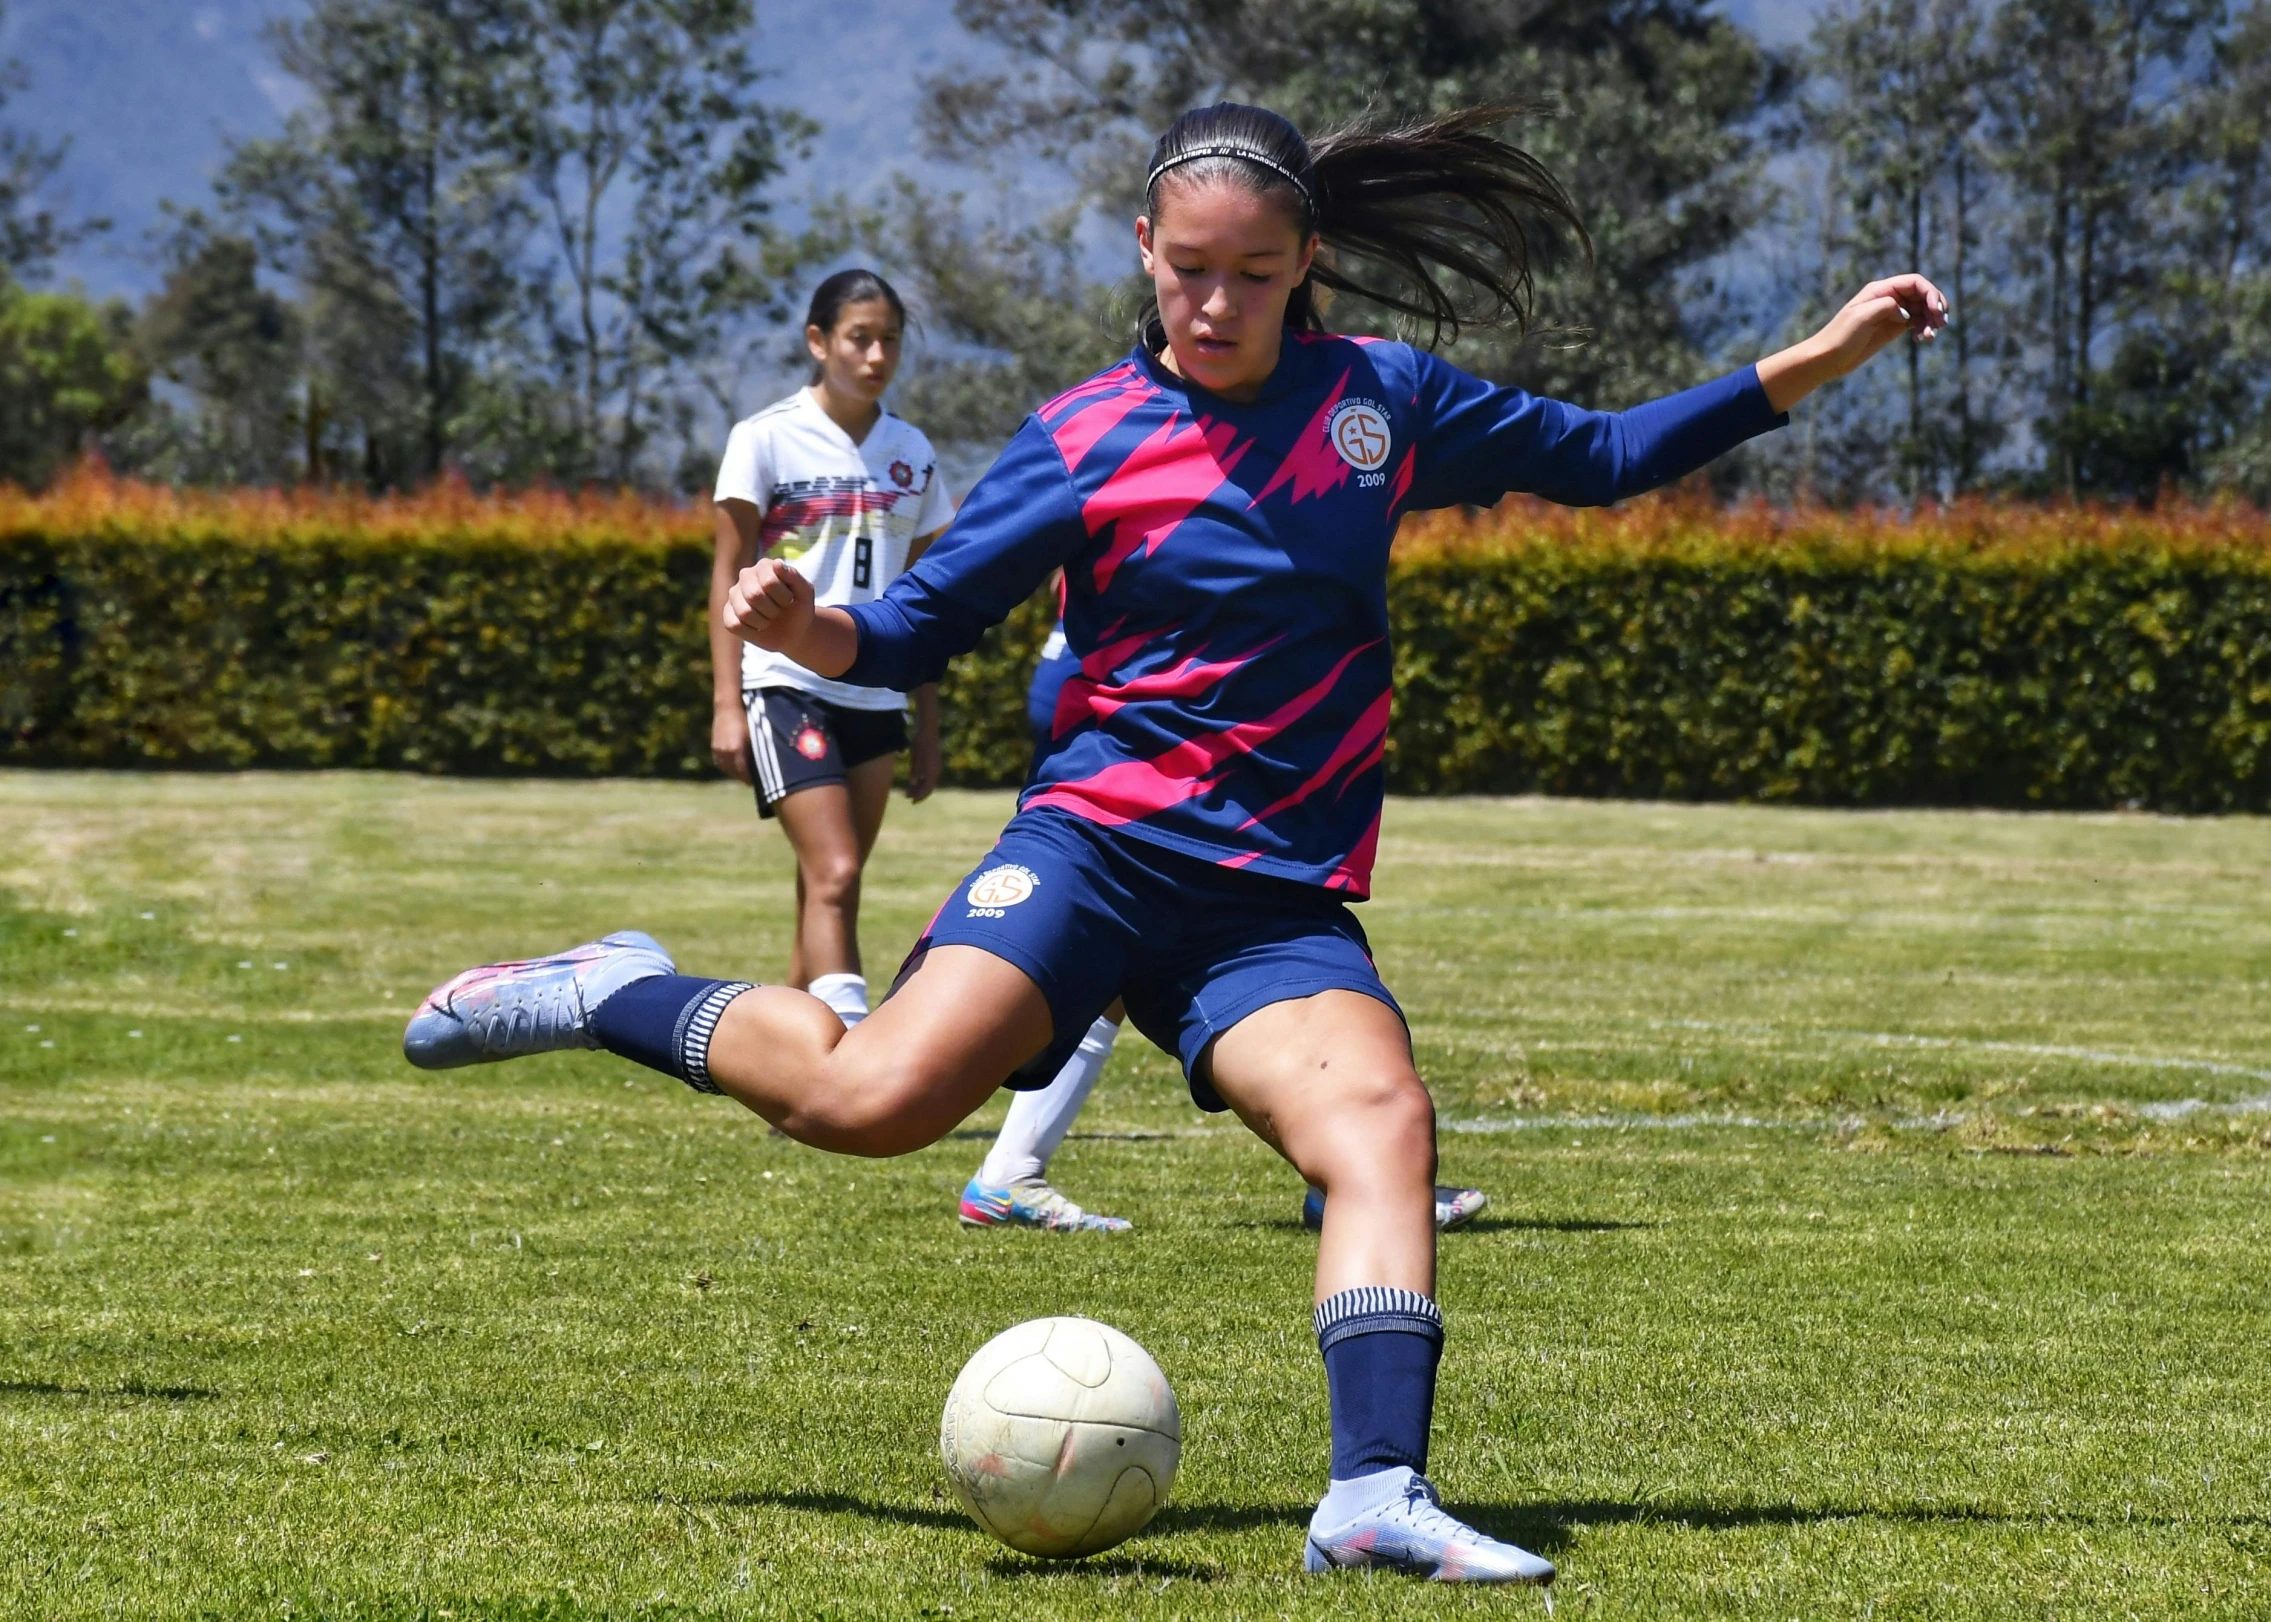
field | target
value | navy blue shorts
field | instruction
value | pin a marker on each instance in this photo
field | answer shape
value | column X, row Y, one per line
column 1091, row 914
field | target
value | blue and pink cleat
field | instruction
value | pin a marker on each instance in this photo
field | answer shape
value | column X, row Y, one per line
column 542, row 1005
column 1032, row 1204
column 1411, row 1532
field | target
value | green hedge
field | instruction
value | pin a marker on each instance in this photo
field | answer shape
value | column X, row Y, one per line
column 1833, row 674
column 2079, row 679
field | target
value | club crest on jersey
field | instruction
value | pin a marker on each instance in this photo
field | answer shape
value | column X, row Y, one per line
column 1359, row 431
column 997, row 889
column 902, row 475
column 810, row 741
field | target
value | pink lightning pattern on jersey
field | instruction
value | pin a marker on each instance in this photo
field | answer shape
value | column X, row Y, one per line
column 1225, row 573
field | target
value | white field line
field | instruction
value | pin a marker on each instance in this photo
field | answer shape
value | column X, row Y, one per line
column 1896, row 1039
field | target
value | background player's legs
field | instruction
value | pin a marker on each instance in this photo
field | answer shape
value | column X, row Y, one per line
column 832, row 828
column 1012, row 1188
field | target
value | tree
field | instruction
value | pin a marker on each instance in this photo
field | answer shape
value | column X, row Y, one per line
column 31, row 234
column 2214, row 303
column 636, row 128
column 386, row 201
column 1656, row 113
column 66, row 373
column 1900, row 103
column 2079, row 111
column 237, row 351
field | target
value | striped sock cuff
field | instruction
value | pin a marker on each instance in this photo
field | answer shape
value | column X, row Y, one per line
column 1374, row 1309
column 695, row 1028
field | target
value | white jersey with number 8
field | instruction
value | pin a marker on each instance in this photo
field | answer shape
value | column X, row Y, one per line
column 843, row 514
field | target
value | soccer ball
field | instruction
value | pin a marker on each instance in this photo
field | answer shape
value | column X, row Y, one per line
column 1061, row 1437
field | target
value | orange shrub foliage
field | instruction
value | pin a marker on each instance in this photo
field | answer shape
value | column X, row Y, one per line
column 92, row 501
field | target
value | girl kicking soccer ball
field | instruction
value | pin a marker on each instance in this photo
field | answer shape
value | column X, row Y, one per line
column 1012, row 1187
column 1221, row 503
column 831, row 482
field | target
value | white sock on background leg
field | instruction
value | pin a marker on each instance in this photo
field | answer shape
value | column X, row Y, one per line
column 845, row 993
column 1039, row 1121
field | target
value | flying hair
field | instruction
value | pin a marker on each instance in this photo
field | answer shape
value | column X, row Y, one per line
column 1426, row 218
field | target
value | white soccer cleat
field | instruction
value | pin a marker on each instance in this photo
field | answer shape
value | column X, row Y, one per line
column 1412, row 1532
column 543, row 1005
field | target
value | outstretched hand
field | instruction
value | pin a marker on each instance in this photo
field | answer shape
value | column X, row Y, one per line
column 770, row 606
column 1870, row 320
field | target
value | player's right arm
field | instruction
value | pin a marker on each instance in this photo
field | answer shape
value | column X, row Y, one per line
column 744, row 487
column 1020, row 522
column 734, row 525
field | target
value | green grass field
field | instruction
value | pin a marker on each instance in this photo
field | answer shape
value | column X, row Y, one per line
column 1879, row 1227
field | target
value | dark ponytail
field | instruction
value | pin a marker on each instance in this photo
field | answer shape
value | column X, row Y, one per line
column 1397, row 208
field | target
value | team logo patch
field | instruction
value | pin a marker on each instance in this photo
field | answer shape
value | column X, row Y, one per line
column 810, row 742
column 1360, row 433
column 902, row 475
column 998, row 888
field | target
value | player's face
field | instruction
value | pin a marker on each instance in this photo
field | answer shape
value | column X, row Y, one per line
column 857, row 358
column 1223, row 261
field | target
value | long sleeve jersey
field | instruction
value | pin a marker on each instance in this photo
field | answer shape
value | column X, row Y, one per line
column 1226, row 577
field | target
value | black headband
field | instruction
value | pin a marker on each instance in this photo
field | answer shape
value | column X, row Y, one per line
column 1248, row 154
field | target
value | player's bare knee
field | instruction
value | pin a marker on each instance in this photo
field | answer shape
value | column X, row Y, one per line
column 833, row 880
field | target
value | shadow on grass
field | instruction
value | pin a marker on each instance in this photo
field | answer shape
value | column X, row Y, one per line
column 1547, row 1527
column 1552, row 1525
column 841, row 1503
column 124, row 1388
column 1481, row 1224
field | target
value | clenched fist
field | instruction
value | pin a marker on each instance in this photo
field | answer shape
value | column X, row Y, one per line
column 770, row 606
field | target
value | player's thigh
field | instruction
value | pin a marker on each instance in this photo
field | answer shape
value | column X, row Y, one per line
column 1328, row 1081
column 821, row 830
column 869, row 786
column 939, row 1046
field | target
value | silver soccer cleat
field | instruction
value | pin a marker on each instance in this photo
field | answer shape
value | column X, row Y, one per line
column 543, row 1005
column 1412, row 1532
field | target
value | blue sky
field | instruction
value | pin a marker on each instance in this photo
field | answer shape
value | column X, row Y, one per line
column 150, row 92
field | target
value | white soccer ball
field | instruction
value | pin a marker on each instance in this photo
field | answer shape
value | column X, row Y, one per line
column 1061, row 1437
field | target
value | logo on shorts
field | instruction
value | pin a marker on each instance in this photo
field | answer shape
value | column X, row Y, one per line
column 1359, row 431
column 998, row 889
column 811, row 742
column 902, row 475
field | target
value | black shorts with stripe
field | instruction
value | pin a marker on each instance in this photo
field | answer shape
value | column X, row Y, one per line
column 797, row 741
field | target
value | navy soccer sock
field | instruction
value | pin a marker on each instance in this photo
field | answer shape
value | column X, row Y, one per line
column 1381, row 1346
column 665, row 1022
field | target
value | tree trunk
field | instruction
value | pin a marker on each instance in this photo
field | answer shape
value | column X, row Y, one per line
column 1967, row 450
column 430, row 273
column 1915, row 350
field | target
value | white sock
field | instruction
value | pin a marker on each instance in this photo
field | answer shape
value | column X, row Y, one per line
column 1039, row 1121
column 845, row 993
column 1346, row 1500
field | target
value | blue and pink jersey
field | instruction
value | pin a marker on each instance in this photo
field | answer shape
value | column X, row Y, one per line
column 1226, row 577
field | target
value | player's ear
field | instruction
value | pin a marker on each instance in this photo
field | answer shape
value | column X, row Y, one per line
column 1143, row 241
column 816, row 345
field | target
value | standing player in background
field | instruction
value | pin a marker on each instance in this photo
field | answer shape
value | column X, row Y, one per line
column 829, row 481
column 1221, row 502
column 1012, row 1187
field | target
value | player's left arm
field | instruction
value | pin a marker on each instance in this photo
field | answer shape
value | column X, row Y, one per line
column 1479, row 441
column 1871, row 319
